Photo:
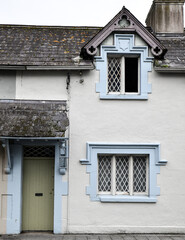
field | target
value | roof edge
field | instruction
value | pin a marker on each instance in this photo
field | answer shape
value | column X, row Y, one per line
column 169, row 70
column 22, row 68
column 124, row 22
column 48, row 26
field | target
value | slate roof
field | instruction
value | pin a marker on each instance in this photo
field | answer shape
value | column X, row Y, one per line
column 43, row 46
column 175, row 57
column 61, row 46
column 33, row 118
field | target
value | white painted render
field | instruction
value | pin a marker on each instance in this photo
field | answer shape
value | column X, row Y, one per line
column 160, row 119
column 7, row 83
column 41, row 85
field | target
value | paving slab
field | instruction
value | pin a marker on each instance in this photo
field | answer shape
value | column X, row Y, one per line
column 51, row 236
column 81, row 237
column 178, row 237
column 105, row 237
column 152, row 237
column 165, row 237
column 141, row 237
column 116, row 237
column 128, row 237
column 93, row 237
column 69, row 237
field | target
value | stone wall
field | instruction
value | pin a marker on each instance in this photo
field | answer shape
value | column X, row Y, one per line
column 166, row 16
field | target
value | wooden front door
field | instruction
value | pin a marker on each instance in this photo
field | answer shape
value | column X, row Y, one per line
column 38, row 194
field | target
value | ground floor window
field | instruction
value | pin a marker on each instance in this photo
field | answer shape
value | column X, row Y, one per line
column 123, row 172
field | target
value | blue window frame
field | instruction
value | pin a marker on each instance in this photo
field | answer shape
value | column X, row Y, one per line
column 123, row 69
column 147, row 154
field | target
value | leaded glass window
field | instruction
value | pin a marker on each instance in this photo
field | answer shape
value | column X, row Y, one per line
column 123, row 174
column 114, row 74
column 104, row 174
column 39, row 151
column 123, row 75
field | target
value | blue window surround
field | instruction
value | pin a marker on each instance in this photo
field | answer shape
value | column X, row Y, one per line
column 153, row 150
column 124, row 45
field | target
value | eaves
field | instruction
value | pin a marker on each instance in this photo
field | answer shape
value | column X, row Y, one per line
column 169, row 70
column 72, row 68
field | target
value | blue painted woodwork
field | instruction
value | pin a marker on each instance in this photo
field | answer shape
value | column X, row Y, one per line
column 14, row 192
column 14, row 188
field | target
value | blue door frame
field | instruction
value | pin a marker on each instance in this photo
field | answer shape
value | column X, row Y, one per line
column 14, row 186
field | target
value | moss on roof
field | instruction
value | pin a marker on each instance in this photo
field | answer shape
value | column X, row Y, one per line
column 42, row 45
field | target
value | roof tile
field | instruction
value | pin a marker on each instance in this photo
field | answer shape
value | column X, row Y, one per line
column 47, row 46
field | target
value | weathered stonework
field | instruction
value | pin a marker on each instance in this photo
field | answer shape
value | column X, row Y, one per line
column 166, row 16
column 33, row 118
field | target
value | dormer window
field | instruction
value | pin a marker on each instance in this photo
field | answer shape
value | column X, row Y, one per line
column 123, row 69
column 123, row 74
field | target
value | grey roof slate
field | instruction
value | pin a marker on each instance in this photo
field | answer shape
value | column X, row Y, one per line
column 175, row 56
column 61, row 46
column 43, row 46
column 31, row 118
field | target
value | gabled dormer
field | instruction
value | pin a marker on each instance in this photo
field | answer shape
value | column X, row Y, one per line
column 124, row 22
column 123, row 63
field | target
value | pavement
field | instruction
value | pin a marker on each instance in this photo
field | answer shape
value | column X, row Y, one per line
column 50, row 236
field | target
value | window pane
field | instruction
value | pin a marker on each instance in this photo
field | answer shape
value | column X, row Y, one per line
column 139, row 173
column 122, row 173
column 114, row 74
column 39, row 151
column 131, row 74
column 104, row 173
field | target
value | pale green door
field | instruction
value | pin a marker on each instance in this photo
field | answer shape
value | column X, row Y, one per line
column 38, row 194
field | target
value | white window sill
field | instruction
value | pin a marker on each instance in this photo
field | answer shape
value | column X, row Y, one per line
column 110, row 198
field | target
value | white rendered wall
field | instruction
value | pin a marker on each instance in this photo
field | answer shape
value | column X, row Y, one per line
column 160, row 119
column 41, row 85
column 7, row 83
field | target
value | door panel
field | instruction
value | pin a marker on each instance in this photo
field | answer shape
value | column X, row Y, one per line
column 38, row 194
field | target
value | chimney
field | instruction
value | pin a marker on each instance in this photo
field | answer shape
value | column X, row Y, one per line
column 166, row 17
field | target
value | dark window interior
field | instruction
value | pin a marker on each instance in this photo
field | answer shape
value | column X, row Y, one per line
column 131, row 74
